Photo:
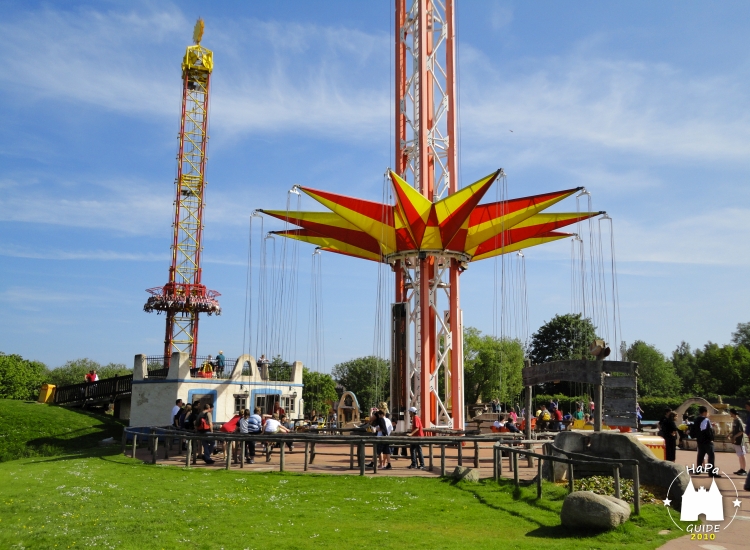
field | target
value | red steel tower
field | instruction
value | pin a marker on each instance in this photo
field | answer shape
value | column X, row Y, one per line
column 184, row 297
column 425, row 143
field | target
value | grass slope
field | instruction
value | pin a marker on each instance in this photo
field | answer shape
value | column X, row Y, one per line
column 29, row 429
column 110, row 501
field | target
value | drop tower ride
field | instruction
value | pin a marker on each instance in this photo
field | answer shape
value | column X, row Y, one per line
column 184, row 296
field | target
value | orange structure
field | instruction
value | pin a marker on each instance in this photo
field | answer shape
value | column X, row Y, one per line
column 434, row 229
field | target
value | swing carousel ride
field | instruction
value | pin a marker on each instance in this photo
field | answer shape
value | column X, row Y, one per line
column 432, row 230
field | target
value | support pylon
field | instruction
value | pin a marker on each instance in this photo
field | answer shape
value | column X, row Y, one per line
column 425, row 144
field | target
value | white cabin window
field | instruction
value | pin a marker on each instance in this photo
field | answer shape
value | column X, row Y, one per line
column 240, row 403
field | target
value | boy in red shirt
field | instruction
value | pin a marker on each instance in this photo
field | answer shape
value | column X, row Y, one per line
column 418, row 430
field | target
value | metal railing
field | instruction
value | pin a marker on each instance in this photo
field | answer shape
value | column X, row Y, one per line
column 158, row 367
column 108, row 388
column 357, row 444
column 608, row 464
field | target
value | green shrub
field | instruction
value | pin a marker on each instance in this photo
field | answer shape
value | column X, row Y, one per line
column 653, row 407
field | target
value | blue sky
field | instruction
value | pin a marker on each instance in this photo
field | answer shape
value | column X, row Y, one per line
column 645, row 104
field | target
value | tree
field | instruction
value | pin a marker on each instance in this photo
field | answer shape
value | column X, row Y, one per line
column 721, row 369
column 492, row 367
column 21, row 378
column 656, row 375
column 368, row 377
column 73, row 372
column 684, row 364
column 320, row 389
column 741, row 337
column 278, row 369
column 564, row 337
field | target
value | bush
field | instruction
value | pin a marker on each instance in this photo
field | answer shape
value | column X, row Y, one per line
column 73, row 372
column 653, row 407
column 602, row 485
column 21, row 378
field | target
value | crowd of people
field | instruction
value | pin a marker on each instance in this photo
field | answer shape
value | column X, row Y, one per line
column 701, row 429
column 380, row 423
column 197, row 417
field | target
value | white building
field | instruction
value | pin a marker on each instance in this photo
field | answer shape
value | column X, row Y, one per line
column 245, row 386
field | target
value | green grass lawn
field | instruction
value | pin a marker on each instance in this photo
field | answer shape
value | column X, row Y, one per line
column 30, row 429
column 102, row 499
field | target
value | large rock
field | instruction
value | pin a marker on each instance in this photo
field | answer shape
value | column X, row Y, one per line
column 586, row 510
column 651, row 470
column 467, row 474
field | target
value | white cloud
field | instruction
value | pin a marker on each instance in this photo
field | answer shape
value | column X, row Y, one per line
column 716, row 237
column 98, row 255
column 130, row 211
column 128, row 62
column 582, row 106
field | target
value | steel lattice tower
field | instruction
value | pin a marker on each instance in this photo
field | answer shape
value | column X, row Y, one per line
column 425, row 143
column 184, row 297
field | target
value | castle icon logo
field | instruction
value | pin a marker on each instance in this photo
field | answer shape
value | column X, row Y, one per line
column 697, row 502
column 702, row 509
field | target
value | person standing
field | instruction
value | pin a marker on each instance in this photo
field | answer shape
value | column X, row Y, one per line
column 175, row 410
column 417, row 429
column 382, row 425
column 738, row 440
column 747, row 433
column 705, row 439
column 221, row 362
column 205, row 425
column 669, row 433
column 254, row 427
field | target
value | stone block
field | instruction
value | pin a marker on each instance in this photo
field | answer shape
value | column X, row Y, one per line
column 587, row 510
column 466, row 474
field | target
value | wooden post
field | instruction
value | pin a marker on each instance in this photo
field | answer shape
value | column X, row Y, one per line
column 282, row 456
column 539, row 464
column 636, row 490
column 442, row 460
column 168, row 448
column 228, row 448
column 135, row 443
column 361, row 456
column 307, row 456
column 351, row 456
column 460, row 454
column 312, row 453
column 154, row 448
column 430, row 446
column 188, row 452
column 571, row 484
column 527, row 417
column 495, row 471
column 598, row 408
column 515, row 469
column 269, row 450
column 242, row 454
column 374, row 458
column 500, row 464
column 617, row 482
column 476, row 454
column 124, row 440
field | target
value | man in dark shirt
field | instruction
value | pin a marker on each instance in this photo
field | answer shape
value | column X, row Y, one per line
column 705, row 440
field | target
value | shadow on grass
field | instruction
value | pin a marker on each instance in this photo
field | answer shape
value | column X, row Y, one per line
column 102, row 453
column 561, row 532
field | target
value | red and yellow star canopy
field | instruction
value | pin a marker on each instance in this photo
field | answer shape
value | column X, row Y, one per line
column 455, row 224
